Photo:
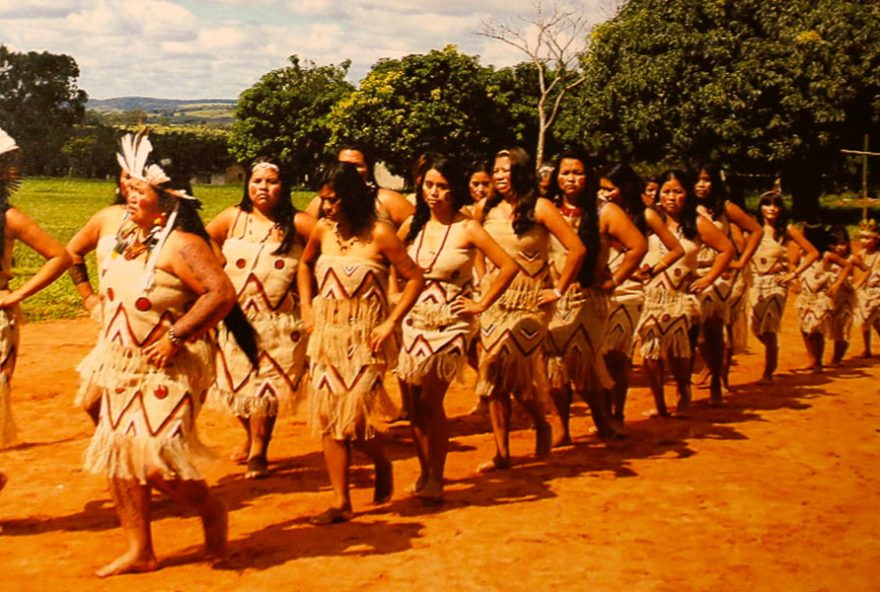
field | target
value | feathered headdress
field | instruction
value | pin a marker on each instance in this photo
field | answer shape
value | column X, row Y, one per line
column 135, row 149
column 868, row 229
column 10, row 163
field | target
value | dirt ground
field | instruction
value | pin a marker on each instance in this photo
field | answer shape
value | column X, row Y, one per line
column 777, row 490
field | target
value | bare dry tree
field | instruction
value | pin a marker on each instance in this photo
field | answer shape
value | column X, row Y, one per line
column 553, row 37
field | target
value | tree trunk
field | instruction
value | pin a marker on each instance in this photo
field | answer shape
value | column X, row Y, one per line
column 803, row 180
column 542, row 132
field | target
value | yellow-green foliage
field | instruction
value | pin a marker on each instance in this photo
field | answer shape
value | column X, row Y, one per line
column 61, row 207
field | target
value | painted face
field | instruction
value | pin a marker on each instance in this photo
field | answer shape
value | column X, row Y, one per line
column 436, row 190
column 264, row 188
column 142, row 202
column 672, row 196
column 330, row 206
column 480, row 186
column 609, row 191
column 703, row 186
column 649, row 195
column 771, row 212
column 501, row 175
column 356, row 158
column 572, row 177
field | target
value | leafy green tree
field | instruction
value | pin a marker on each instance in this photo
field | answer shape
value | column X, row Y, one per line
column 761, row 87
column 39, row 105
column 285, row 114
column 437, row 101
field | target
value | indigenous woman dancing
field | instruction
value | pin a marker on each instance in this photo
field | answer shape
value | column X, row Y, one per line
column 844, row 300
column 621, row 186
column 726, row 295
column 868, row 286
column 671, row 294
column 439, row 328
column 351, row 342
column 770, row 275
column 162, row 291
column 99, row 235
column 818, row 288
column 15, row 225
column 513, row 329
column 575, row 363
column 262, row 239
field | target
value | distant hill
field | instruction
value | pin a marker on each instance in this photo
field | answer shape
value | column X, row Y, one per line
column 171, row 111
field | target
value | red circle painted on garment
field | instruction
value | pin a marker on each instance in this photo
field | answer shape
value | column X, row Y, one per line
column 665, row 317
column 295, row 336
column 726, row 275
column 110, row 293
column 143, row 304
column 763, row 260
column 161, row 391
column 240, row 263
column 279, row 264
column 677, row 272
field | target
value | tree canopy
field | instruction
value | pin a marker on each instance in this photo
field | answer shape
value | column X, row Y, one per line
column 754, row 85
column 285, row 114
column 39, row 105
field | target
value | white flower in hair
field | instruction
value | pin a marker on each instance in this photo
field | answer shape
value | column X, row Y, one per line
column 7, row 144
column 135, row 149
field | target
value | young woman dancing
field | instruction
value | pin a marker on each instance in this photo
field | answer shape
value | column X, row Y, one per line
column 438, row 330
column 351, row 342
column 671, row 295
column 725, row 297
column 262, row 239
column 844, row 300
column 868, row 285
column 771, row 276
column 513, row 330
column 575, row 363
column 15, row 225
column 162, row 291
column 621, row 186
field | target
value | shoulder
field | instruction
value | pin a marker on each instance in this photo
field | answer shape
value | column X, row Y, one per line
column 304, row 222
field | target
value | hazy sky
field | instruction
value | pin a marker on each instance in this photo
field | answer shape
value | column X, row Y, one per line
column 195, row 49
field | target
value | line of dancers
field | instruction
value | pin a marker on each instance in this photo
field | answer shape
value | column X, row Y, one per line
column 548, row 296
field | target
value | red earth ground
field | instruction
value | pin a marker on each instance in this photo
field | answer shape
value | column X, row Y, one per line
column 777, row 490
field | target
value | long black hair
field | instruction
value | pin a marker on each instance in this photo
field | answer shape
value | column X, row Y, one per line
column 10, row 180
column 368, row 161
column 356, row 199
column 631, row 185
column 188, row 220
column 837, row 234
column 588, row 228
column 523, row 187
column 454, row 174
column 687, row 219
column 284, row 211
column 718, row 190
column 817, row 235
column 774, row 198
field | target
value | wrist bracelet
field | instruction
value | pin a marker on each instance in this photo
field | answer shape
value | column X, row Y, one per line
column 173, row 338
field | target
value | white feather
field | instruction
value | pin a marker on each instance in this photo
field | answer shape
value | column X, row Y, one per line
column 6, row 142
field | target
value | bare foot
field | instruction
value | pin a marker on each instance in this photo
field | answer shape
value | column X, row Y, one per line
column 432, row 492
column 257, row 468
column 129, row 563
column 419, row 484
column 332, row 516
column 765, row 380
column 384, row 487
column 496, row 464
column 240, row 456
column 215, row 525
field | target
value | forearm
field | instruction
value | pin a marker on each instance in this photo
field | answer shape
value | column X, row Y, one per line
column 407, row 298
column 209, row 309
column 502, row 280
column 573, row 262
column 48, row 273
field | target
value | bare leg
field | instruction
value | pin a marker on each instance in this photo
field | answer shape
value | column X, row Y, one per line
column 260, row 432
column 241, row 455
column 818, row 345
column 196, row 494
column 840, row 348
column 132, row 501
column 866, row 341
column 92, row 401
column 771, row 356
column 418, row 423
column 2, row 480
column 619, row 366
column 680, row 368
column 384, row 472
column 713, row 350
column 337, row 456
column 435, row 434
column 499, row 413
column 560, row 419
column 543, row 432
column 593, row 396
column 654, row 374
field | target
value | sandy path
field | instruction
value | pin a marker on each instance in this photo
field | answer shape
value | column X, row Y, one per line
column 778, row 490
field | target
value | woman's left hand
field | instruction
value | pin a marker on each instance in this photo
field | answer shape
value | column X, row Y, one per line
column 160, row 352
column 380, row 334
column 548, row 296
column 8, row 299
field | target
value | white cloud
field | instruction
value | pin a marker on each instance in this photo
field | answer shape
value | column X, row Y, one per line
column 216, row 49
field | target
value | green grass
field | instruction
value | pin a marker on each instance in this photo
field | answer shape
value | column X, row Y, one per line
column 63, row 206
